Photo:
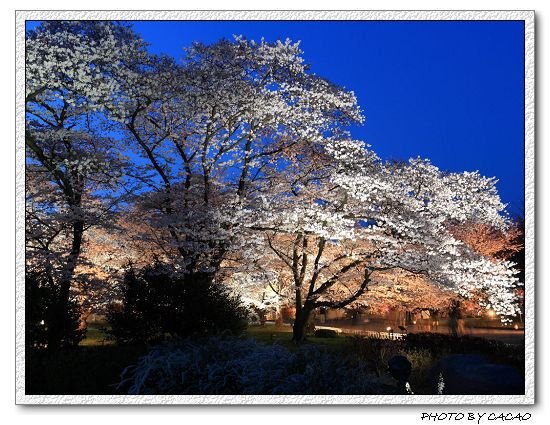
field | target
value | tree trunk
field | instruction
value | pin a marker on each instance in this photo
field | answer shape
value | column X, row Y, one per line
column 300, row 324
column 60, row 310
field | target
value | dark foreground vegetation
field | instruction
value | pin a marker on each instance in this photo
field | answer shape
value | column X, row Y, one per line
column 265, row 361
column 172, row 335
column 157, row 302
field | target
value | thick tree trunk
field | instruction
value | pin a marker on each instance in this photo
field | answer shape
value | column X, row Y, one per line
column 60, row 310
column 300, row 324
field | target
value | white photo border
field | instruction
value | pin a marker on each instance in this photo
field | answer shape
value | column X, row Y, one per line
column 529, row 132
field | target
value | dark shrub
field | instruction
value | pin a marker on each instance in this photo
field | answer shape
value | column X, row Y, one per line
column 441, row 344
column 374, row 352
column 326, row 333
column 41, row 297
column 231, row 365
column 424, row 350
column 467, row 374
column 159, row 302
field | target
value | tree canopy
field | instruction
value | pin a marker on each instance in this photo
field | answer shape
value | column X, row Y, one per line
column 236, row 165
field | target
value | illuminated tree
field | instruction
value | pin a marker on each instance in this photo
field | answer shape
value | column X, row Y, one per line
column 492, row 242
column 369, row 217
column 213, row 130
column 73, row 169
column 235, row 165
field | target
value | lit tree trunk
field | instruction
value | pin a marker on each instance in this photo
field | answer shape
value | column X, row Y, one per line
column 278, row 317
column 299, row 265
column 60, row 310
column 300, row 324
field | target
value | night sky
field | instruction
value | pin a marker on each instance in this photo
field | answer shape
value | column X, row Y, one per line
column 450, row 91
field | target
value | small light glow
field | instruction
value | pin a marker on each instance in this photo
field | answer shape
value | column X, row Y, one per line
column 516, row 327
column 42, row 322
column 388, row 329
column 491, row 313
column 414, row 322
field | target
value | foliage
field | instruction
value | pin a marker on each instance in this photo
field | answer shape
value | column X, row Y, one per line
column 229, row 365
column 159, row 301
column 441, row 344
column 375, row 352
column 424, row 350
column 40, row 305
column 325, row 333
column 237, row 165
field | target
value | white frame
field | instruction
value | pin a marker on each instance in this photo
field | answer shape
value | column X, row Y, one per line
column 527, row 16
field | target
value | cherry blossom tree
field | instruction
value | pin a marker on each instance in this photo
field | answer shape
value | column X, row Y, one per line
column 497, row 245
column 212, row 130
column 489, row 241
column 240, row 167
column 73, row 167
column 369, row 217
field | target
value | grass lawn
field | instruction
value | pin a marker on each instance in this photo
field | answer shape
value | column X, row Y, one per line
column 283, row 335
column 268, row 333
column 95, row 335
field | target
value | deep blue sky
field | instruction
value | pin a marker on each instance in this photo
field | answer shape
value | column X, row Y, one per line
column 451, row 91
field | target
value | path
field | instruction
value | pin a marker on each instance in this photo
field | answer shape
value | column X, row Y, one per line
column 507, row 335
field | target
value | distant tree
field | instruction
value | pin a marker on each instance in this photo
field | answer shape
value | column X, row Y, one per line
column 490, row 241
column 398, row 289
column 107, row 251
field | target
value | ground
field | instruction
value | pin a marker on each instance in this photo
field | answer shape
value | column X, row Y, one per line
column 95, row 366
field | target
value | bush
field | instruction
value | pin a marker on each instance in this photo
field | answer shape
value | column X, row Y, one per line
column 375, row 352
column 424, row 350
column 326, row 333
column 440, row 345
column 159, row 302
column 41, row 297
column 232, row 365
